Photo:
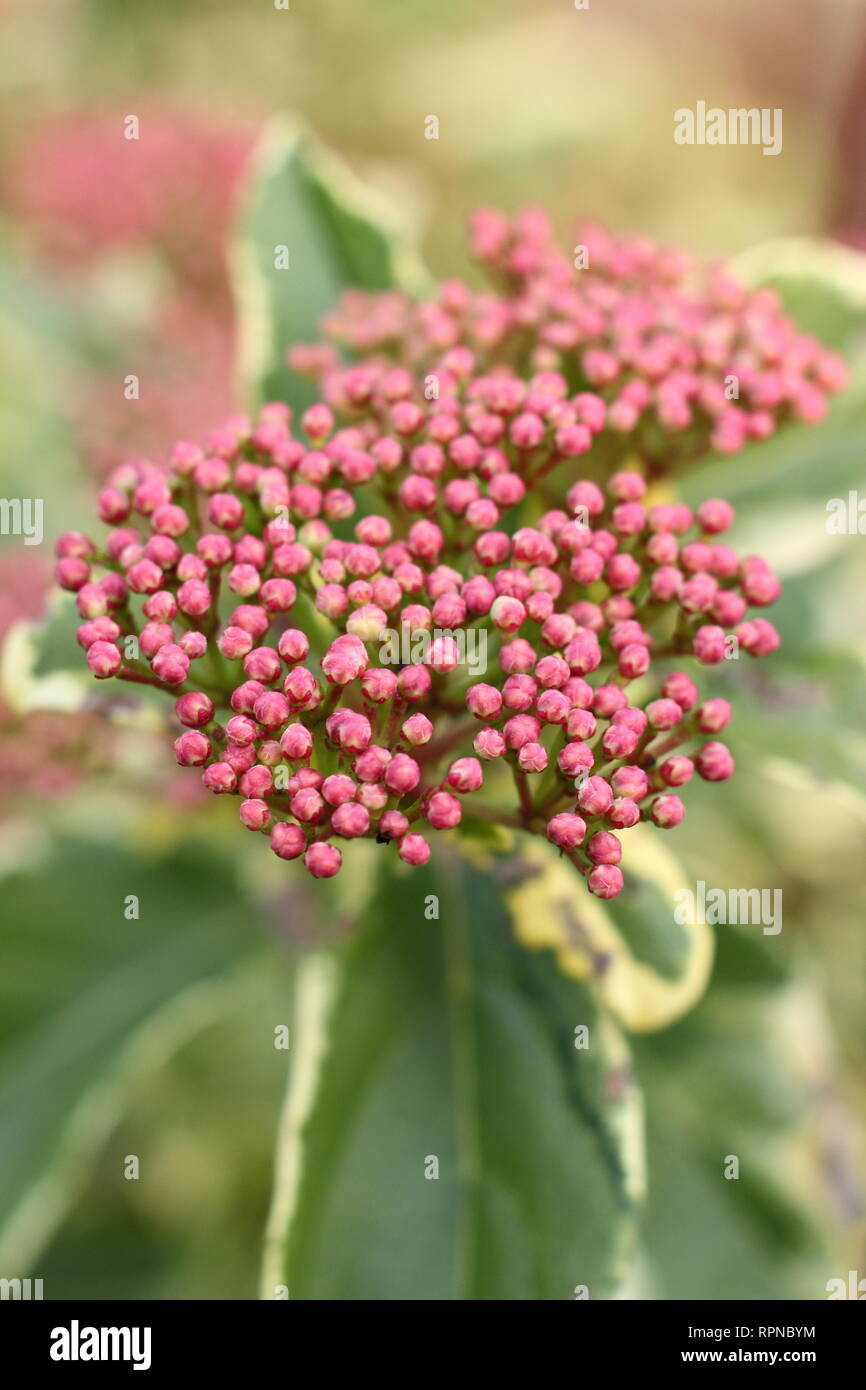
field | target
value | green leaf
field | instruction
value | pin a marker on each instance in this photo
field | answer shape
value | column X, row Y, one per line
column 42, row 667
column 337, row 235
column 644, row 966
column 448, row 1043
column 738, row 1078
column 822, row 285
column 89, row 997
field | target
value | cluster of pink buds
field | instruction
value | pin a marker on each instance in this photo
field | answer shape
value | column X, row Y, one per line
column 667, row 358
column 307, row 590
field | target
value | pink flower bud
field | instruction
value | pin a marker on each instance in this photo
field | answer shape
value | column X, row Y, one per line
column 287, row 841
column 254, row 814
column 715, row 516
column 583, row 653
column 607, row 699
column 194, row 598
column 338, row 789
column 587, row 566
column 595, row 796
column 256, row 781
column 193, row 645
column 354, row 733
column 164, row 552
column 414, row 682
column 234, row 642
column 373, row 795
column 566, row 830
column 271, row 709
column 345, row 659
column 323, row 860
column 507, row 614
column 633, row 661
column 350, row 820
column 367, row 623
column 262, row 664
column 75, row 544
column 678, row 686
column 242, row 730
column 214, row 549
column 627, row 486
column 517, row 656
column 307, row 806
column 758, row 584
column 518, row 693
column 72, row 573
column 624, row 813
column 240, row 759
column 443, row 811
column 225, row 510
column 296, row 743
column 581, row 724
column 630, row 782
column 710, row 644
column 153, row 636
column 190, row 566
column 270, row 753
column 392, row 825
column 667, row 811
column 574, row 759
column 664, row 714
column 244, row 580
column 604, row 848
column 104, row 659
column 532, row 757
column 465, row 775
column 194, row 709
column 244, row 696
column 192, row 749
column 619, row 741
column 552, row 672
column 113, row 505
column 714, row 762
column 758, row 637
column 370, row 764
column 605, row 881
column 102, row 629
column 417, row 729
column 553, row 706
column 414, row 849
column 278, row 595
column 489, row 744
column 144, row 577
column 402, row 775
column 160, row 607
column 713, row 715
column 676, row 771
column 622, row 572
column 523, row 728
column 219, row 778
column 573, row 440
column 483, row 701
column 318, row 421
column 171, row 664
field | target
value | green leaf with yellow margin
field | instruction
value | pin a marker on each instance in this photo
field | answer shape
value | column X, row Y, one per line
column 645, row 966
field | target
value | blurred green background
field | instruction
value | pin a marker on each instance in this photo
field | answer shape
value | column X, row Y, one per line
column 154, row 1037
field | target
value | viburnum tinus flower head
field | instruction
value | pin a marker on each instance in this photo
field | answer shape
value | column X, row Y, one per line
column 619, row 337
column 402, row 610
